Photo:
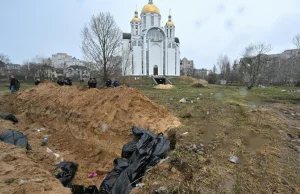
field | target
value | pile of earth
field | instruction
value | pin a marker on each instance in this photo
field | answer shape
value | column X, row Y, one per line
column 87, row 127
column 198, row 85
column 164, row 87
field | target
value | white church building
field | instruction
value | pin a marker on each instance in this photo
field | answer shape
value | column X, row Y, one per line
column 151, row 49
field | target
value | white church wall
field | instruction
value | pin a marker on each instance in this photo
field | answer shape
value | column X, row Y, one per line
column 178, row 60
column 155, row 58
column 171, row 61
column 137, row 51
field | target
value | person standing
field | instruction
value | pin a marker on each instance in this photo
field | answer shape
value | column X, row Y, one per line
column 90, row 83
column 116, row 83
column 12, row 86
column 37, row 82
column 17, row 85
column 108, row 83
column 94, row 83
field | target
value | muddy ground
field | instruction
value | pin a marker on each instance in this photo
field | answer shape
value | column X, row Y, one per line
column 87, row 127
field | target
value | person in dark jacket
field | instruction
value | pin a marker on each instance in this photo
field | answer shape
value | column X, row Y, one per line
column 37, row 82
column 108, row 83
column 12, row 86
column 94, row 83
column 116, row 83
column 60, row 82
column 90, row 83
column 17, row 85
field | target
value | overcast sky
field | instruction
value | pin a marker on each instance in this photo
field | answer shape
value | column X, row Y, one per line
column 206, row 28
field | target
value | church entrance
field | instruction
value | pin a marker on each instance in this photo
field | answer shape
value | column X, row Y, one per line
column 155, row 70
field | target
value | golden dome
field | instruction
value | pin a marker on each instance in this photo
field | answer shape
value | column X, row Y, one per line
column 170, row 23
column 150, row 8
column 135, row 19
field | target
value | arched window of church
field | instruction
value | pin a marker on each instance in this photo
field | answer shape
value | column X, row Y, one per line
column 169, row 45
column 173, row 45
column 136, row 30
column 170, row 33
column 155, row 34
column 140, row 43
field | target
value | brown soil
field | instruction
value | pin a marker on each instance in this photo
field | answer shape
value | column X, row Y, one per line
column 164, row 87
column 184, row 79
column 88, row 127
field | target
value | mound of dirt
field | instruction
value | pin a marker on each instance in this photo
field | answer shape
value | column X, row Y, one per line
column 86, row 127
column 191, row 80
column 164, row 87
column 16, row 167
column 198, row 85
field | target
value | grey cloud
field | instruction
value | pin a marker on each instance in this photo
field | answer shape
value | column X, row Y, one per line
column 229, row 24
column 200, row 22
column 241, row 10
column 221, row 8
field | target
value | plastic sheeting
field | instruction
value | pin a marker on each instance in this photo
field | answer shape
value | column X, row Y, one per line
column 67, row 172
column 15, row 137
column 65, row 175
column 144, row 151
column 80, row 189
column 10, row 117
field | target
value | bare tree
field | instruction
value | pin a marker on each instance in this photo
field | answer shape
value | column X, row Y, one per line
column 4, row 58
column 296, row 41
column 127, row 62
column 223, row 63
column 254, row 58
column 101, row 42
column 214, row 69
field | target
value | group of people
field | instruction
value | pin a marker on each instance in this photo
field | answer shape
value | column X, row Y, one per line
column 92, row 83
column 109, row 82
column 14, row 84
column 64, row 82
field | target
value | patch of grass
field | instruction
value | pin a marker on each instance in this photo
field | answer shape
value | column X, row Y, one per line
column 228, row 121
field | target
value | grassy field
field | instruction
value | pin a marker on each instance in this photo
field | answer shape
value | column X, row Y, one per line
column 261, row 127
column 257, row 126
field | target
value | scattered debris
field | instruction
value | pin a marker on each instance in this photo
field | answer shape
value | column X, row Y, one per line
column 104, row 128
column 198, row 98
column 140, row 185
column 183, row 100
column 185, row 133
column 171, row 99
column 45, row 141
column 161, row 190
column 93, row 174
column 31, row 180
column 233, row 159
